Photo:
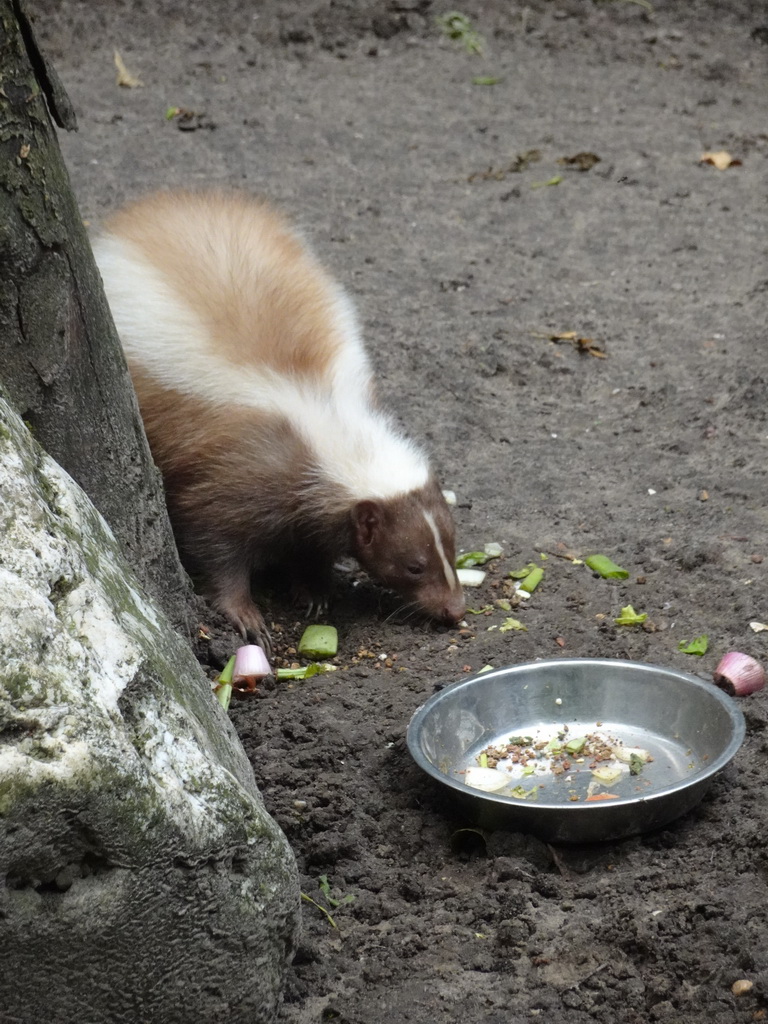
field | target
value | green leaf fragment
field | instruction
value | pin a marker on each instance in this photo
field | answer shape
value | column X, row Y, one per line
column 483, row 760
column 698, row 646
column 485, row 668
column 552, row 181
column 520, row 741
column 480, row 611
column 319, row 642
column 604, row 567
column 629, row 617
column 486, row 80
column 636, row 764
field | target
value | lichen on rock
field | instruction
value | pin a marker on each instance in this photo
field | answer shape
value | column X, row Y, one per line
column 135, row 846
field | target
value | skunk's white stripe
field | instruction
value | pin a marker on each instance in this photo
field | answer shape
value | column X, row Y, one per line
column 358, row 447
column 450, row 575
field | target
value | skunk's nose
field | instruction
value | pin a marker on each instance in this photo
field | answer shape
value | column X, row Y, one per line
column 454, row 609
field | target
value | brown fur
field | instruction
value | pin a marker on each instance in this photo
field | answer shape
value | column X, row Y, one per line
column 244, row 491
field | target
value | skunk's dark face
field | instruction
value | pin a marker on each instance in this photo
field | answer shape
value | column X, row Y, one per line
column 407, row 544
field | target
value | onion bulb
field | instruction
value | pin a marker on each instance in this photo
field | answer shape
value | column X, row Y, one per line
column 738, row 674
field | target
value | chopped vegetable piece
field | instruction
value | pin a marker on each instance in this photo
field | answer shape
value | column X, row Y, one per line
column 485, row 668
column 493, row 550
column 511, row 623
column 251, row 666
column 629, row 617
column 739, row 675
column 483, row 760
column 532, row 580
column 450, row 497
column 608, row 773
column 636, row 764
column 480, row 611
column 625, row 754
column 520, row 574
column 697, row 646
column 594, row 797
column 486, row 779
column 576, row 745
column 604, row 567
column 224, row 686
column 521, row 793
column 318, row 642
column 552, row 181
column 471, row 577
column 470, row 558
column 520, row 741
column 315, row 669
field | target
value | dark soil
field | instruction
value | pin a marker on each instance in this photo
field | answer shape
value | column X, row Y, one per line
column 362, row 121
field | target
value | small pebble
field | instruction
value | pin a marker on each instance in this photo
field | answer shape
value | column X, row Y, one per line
column 757, row 559
column 740, row 987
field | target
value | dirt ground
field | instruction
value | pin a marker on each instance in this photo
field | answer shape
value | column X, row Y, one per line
column 363, row 122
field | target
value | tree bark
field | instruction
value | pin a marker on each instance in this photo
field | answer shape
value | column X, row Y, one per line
column 62, row 364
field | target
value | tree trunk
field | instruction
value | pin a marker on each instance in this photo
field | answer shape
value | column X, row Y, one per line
column 62, row 365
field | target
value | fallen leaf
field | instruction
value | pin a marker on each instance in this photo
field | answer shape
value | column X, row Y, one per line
column 124, row 77
column 721, row 159
column 585, row 345
column 580, row 161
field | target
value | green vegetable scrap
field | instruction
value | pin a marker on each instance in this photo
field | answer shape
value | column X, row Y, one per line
column 698, row 646
column 480, row 611
column 576, row 745
column 520, row 574
column 318, row 642
column 629, row 617
column 325, row 888
column 315, row 669
column 636, row 764
column 604, row 567
column 525, row 794
column 486, row 80
column 458, row 27
column 224, row 685
column 472, row 558
column 532, row 580
column 511, row 623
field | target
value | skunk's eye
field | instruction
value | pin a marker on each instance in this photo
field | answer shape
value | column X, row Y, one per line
column 415, row 570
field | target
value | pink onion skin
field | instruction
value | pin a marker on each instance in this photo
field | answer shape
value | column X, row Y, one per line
column 739, row 675
column 250, row 665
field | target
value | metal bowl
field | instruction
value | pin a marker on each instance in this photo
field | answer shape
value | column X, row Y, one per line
column 690, row 728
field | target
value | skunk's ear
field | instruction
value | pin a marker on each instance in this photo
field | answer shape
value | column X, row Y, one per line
column 367, row 518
